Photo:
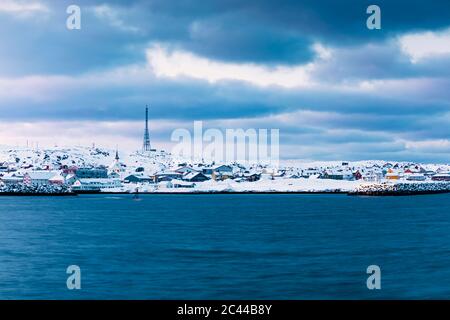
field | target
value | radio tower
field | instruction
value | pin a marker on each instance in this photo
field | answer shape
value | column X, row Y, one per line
column 146, row 145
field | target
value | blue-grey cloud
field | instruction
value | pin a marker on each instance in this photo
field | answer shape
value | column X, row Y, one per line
column 368, row 98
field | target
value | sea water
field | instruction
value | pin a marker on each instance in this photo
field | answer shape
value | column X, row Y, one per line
column 237, row 246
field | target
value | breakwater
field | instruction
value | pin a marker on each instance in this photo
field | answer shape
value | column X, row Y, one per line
column 398, row 189
column 35, row 190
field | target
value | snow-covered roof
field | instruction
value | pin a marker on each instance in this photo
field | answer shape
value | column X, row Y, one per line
column 57, row 177
column 41, row 175
column 181, row 182
column 222, row 166
column 251, row 173
column 99, row 180
column 11, row 178
column 442, row 174
column 192, row 175
column 139, row 176
column 168, row 173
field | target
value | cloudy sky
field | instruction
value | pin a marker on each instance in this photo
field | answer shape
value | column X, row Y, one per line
column 335, row 89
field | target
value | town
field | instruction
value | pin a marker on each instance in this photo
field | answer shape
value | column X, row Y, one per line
column 88, row 170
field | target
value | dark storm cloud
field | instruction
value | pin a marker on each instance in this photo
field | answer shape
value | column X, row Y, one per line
column 282, row 31
column 243, row 31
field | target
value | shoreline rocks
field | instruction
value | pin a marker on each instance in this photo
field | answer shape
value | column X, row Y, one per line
column 23, row 189
column 394, row 189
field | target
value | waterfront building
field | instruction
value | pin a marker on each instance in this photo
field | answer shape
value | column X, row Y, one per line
column 95, row 184
column 441, row 177
column 416, row 177
column 92, row 173
column 12, row 179
column 39, row 177
column 179, row 184
column 167, row 176
column 138, row 178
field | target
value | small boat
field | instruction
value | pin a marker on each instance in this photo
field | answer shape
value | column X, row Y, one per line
column 136, row 194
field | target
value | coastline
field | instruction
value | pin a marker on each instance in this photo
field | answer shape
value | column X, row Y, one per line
column 28, row 194
column 349, row 193
column 396, row 193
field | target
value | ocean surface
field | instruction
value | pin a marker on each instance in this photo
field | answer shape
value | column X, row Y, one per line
column 225, row 246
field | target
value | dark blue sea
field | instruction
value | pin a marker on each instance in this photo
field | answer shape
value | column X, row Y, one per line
column 225, row 246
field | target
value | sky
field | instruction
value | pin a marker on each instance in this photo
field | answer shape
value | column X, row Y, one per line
column 312, row 69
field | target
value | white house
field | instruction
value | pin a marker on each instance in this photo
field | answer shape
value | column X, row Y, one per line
column 174, row 183
column 95, row 184
column 39, row 177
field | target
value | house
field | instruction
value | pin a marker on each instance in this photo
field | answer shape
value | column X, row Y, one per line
column 333, row 176
column 266, row 176
column 372, row 175
column 392, row 175
column 174, row 183
column 195, row 177
column 310, row 172
column 429, row 173
column 167, row 176
column 12, row 179
column 441, row 177
column 138, row 178
column 186, row 170
column 251, row 176
column 388, row 165
column 357, row 175
column 39, row 177
column 220, row 170
column 416, row 177
column 3, row 167
column 219, row 176
column 95, row 184
column 337, row 175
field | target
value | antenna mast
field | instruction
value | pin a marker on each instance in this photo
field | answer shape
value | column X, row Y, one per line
column 146, row 145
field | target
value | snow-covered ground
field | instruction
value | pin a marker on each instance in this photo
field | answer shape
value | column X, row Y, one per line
column 278, row 185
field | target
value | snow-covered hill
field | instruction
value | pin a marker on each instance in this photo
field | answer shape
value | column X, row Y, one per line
column 56, row 157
